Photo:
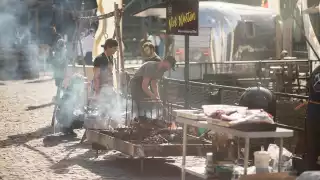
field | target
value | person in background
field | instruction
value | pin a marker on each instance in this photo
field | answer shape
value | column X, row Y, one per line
column 163, row 40
column 144, row 84
column 58, row 58
column 55, row 36
column 141, row 43
column 149, row 52
column 155, row 40
column 166, row 44
column 103, row 66
column 312, row 123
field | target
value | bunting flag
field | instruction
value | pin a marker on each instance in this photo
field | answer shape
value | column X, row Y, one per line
column 264, row 3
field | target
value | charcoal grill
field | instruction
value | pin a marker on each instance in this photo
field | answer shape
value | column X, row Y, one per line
column 142, row 151
column 139, row 150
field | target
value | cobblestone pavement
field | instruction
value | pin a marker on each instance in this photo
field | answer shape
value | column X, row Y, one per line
column 24, row 156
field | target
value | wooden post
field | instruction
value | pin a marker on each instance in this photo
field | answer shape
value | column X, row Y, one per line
column 120, row 59
column 119, row 38
column 116, row 76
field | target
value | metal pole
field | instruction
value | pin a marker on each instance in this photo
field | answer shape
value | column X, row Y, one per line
column 246, row 154
column 184, row 151
column 186, row 70
column 280, row 155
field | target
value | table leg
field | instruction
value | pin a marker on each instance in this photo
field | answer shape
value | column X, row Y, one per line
column 142, row 165
column 238, row 147
column 280, row 154
column 184, row 152
column 246, row 155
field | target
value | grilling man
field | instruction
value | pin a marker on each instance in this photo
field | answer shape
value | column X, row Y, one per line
column 144, row 84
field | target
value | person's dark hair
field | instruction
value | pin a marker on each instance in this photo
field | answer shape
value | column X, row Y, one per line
column 110, row 43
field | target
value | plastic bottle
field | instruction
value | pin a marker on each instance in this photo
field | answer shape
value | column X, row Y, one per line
column 261, row 161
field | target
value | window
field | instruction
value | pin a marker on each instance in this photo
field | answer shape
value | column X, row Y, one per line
column 249, row 29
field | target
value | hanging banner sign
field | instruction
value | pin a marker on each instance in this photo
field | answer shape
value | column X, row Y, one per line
column 183, row 17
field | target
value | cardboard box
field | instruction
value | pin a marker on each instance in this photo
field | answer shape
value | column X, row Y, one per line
column 268, row 176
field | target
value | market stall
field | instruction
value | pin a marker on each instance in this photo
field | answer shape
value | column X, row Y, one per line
column 235, row 125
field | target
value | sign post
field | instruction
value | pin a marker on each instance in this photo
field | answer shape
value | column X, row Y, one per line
column 183, row 19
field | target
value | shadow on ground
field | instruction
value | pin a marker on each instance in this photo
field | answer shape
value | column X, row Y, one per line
column 23, row 138
column 48, row 158
column 30, row 108
column 39, row 81
column 2, row 84
column 115, row 168
column 55, row 139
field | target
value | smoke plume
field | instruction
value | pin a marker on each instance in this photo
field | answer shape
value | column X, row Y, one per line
column 17, row 48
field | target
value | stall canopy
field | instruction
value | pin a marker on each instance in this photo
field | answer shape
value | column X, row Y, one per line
column 158, row 10
column 211, row 13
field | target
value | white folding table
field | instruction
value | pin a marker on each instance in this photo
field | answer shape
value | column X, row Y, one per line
column 280, row 133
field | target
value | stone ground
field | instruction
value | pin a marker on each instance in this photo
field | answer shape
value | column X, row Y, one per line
column 24, row 154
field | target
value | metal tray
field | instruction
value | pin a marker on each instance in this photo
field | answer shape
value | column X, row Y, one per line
column 145, row 150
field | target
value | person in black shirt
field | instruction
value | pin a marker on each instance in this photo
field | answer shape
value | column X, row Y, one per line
column 103, row 64
column 103, row 78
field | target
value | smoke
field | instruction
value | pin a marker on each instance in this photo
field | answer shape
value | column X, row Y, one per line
column 108, row 110
column 18, row 50
column 114, row 105
column 72, row 102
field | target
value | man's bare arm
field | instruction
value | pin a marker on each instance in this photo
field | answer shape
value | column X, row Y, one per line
column 145, row 87
column 96, row 79
column 154, row 86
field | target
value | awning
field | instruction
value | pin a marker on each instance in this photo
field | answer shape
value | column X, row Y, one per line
column 158, row 10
